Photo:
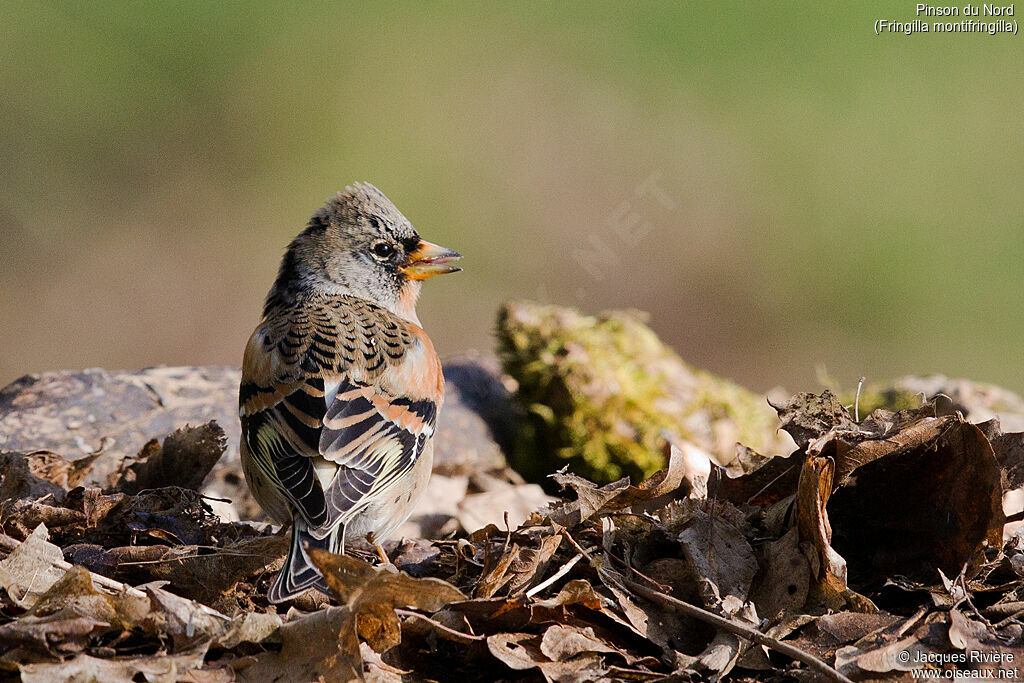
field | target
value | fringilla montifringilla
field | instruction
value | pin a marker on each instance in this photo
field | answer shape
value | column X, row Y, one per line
column 340, row 384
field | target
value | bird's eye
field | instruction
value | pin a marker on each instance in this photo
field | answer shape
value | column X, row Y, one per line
column 383, row 250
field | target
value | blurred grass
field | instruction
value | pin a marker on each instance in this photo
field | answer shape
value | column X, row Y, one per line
column 840, row 199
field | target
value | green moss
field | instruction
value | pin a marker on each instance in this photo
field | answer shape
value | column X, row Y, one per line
column 601, row 392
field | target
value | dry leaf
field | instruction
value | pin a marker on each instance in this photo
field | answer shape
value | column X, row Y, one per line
column 372, row 593
column 29, row 570
column 184, row 460
column 162, row 668
column 321, row 646
column 932, row 502
column 565, row 642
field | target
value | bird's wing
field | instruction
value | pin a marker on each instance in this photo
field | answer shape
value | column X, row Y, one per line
column 346, row 387
column 375, row 438
column 281, row 425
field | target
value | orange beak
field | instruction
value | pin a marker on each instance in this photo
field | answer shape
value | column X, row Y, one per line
column 429, row 260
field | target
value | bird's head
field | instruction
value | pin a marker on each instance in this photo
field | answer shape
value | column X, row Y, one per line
column 359, row 244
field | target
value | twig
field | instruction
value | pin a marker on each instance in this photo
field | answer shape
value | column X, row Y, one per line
column 438, row 625
column 711, row 515
column 162, row 560
column 962, row 580
column 219, row 500
column 766, row 486
column 1008, row 620
column 1004, row 609
column 912, row 620
column 745, row 632
column 582, row 551
column 554, row 577
column 856, row 401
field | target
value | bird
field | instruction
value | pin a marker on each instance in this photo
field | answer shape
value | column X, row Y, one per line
column 341, row 386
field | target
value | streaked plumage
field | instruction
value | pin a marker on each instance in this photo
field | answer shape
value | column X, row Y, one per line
column 340, row 385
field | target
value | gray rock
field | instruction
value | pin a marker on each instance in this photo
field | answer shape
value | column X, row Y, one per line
column 478, row 423
column 78, row 413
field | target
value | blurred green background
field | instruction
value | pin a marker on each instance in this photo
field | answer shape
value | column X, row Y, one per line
column 823, row 198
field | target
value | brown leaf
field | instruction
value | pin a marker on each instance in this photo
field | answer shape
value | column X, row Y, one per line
column 206, row 574
column 498, row 575
column 773, row 481
column 184, row 622
column 565, row 642
column 809, row 416
column 70, row 613
column 29, row 570
column 184, row 460
column 890, row 441
column 29, row 476
column 372, row 593
column 932, row 503
column 521, row 651
column 319, row 646
column 92, row 503
column 659, row 484
column 162, row 668
column 888, row 657
column 590, row 499
column 518, row 651
column 529, row 565
column 575, row 592
column 415, row 556
column 784, row 577
column 746, row 461
column 815, row 487
column 60, row 634
column 248, row 627
column 1009, row 453
column 719, row 554
column 75, row 593
column 846, row 627
column 646, row 624
column 21, row 516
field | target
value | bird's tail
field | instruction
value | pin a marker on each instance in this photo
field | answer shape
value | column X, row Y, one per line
column 298, row 574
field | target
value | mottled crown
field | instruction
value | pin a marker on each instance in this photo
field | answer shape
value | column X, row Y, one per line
column 364, row 206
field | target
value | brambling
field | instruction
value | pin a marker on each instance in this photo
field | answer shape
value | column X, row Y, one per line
column 340, row 384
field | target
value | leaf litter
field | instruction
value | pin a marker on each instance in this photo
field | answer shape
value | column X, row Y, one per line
column 872, row 539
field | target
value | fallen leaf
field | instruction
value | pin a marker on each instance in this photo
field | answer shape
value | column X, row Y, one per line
column 810, row 416
column 162, row 668
column 30, row 476
column 372, row 594
column 521, row 651
column 184, row 622
column 828, row 568
column 560, row 643
column 29, row 570
column 185, row 458
column 61, row 634
column 784, row 578
column 930, row 504
column 590, row 498
column 321, row 646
